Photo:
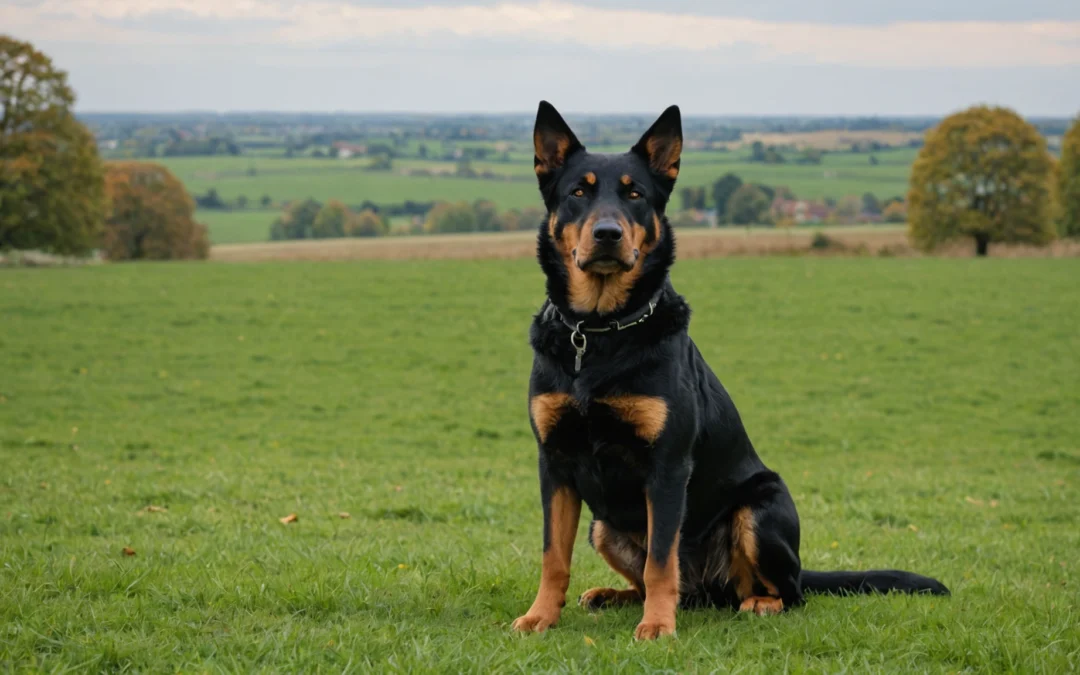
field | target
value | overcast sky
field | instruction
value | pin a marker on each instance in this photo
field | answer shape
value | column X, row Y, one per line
column 843, row 57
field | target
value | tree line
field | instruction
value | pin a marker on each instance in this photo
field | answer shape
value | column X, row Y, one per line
column 310, row 219
column 984, row 174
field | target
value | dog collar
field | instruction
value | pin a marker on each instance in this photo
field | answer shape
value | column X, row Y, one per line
column 578, row 330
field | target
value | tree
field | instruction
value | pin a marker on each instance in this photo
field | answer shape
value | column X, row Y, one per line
column 870, row 204
column 1069, row 181
column 848, row 209
column 487, row 216
column 241, row 201
column 693, row 198
column 266, row 201
column 297, row 222
column 451, row 217
column 748, row 206
column 367, row 223
column 330, row 221
column 722, row 190
column 895, row 212
column 982, row 173
column 150, row 215
column 52, row 192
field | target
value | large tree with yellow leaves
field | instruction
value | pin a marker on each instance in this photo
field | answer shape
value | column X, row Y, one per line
column 51, row 189
column 1069, row 185
column 983, row 173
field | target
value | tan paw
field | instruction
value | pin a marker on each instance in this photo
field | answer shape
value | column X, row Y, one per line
column 650, row 630
column 762, row 605
column 595, row 598
column 534, row 623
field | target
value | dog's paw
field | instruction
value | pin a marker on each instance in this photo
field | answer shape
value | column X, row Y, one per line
column 596, row 598
column 762, row 605
column 534, row 622
column 650, row 630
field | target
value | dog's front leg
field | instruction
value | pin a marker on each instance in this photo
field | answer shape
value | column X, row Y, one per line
column 562, row 509
column 665, row 497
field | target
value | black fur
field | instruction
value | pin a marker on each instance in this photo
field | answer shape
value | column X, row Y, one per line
column 702, row 468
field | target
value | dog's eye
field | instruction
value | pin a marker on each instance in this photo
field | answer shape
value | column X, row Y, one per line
column 634, row 194
column 579, row 193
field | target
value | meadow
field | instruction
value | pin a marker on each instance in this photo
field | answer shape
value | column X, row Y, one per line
column 839, row 174
column 158, row 421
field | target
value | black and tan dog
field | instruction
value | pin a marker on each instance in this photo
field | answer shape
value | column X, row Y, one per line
column 630, row 419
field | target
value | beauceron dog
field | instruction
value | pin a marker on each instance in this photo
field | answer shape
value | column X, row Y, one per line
column 631, row 420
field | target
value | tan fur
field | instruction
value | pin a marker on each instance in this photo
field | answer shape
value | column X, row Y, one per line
column 743, row 569
column 555, row 570
column 647, row 414
column 663, row 155
column 546, row 410
column 626, row 179
column 551, row 151
column 661, row 590
column 762, row 605
column 590, row 178
column 603, row 293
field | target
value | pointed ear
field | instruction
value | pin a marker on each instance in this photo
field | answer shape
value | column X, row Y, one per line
column 661, row 146
column 553, row 140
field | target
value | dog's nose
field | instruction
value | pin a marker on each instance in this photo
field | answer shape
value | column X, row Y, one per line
column 607, row 232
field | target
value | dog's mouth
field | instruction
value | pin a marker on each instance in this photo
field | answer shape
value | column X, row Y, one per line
column 607, row 264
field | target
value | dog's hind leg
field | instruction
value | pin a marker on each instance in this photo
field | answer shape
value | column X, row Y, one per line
column 764, row 566
column 626, row 555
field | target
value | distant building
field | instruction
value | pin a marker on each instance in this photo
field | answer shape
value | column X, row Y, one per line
column 347, row 150
column 800, row 210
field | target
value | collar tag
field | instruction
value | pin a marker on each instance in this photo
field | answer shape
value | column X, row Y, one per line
column 578, row 341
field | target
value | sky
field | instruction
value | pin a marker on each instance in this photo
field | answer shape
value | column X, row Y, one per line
column 712, row 57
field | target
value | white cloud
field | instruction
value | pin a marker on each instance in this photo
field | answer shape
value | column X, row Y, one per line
column 312, row 23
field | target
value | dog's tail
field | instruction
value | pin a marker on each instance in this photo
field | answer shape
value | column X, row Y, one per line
column 872, row 581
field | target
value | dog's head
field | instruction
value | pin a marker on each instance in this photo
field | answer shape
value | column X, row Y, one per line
column 606, row 245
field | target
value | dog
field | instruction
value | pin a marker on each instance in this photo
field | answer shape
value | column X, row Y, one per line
column 630, row 419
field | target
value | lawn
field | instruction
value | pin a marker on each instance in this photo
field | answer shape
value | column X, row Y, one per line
column 923, row 412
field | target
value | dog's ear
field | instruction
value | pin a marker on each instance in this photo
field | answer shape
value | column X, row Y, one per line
column 553, row 140
column 661, row 145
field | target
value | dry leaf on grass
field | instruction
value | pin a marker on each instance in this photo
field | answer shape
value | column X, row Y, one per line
column 128, row 551
column 155, row 509
column 343, row 515
column 291, row 518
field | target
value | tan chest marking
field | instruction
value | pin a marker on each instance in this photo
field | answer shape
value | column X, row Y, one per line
column 647, row 414
column 546, row 410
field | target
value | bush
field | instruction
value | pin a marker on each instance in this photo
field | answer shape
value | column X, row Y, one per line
column 367, row 223
column 447, row 217
column 330, row 221
column 297, row 222
column 150, row 216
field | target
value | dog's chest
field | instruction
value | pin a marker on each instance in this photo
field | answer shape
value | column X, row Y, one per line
column 605, row 448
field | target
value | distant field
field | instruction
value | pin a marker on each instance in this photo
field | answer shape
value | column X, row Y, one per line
column 237, row 227
column 696, row 243
column 922, row 411
column 283, row 179
column 829, row 139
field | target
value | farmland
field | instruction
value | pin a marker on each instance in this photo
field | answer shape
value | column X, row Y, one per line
column 511, row 184
column 921, row 410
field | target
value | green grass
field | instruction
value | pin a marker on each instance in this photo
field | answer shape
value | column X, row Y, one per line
column 922, row 411
column 237, row 227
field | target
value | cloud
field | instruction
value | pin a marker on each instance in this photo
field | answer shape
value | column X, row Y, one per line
column 323, row 23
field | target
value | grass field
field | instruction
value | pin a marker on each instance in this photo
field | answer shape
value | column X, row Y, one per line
column 923, row 412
